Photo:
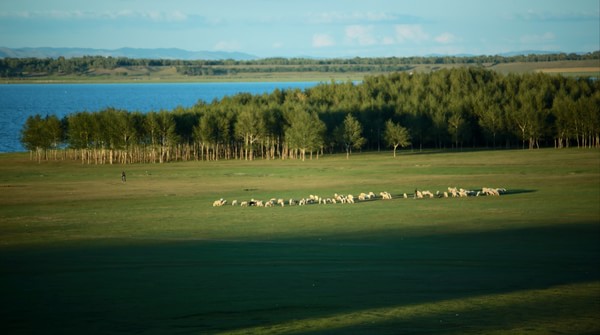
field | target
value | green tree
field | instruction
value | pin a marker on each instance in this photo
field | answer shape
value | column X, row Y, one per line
column 249, row 127
column 80, row 133
column 42, row 134
column 305, row 132
column 166, row 134
column 396, row 135
column 350, row 134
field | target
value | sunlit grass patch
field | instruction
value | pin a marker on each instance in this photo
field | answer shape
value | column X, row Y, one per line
column 520, row 312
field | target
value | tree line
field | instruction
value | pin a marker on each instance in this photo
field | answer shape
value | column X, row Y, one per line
column 448, row 109
column 27, row 67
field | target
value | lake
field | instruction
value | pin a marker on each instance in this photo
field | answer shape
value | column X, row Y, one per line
column 19, row 101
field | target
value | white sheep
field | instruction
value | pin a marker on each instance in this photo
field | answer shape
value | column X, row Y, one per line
column 385, row 195
column 350, row 198
column 427, row 194
column 234, row 203
column 244, row 204
column 405, row 196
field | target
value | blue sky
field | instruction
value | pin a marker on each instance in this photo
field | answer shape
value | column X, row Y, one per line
column 316, row 28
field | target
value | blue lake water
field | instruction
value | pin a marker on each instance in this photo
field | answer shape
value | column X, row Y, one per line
column 17, row 102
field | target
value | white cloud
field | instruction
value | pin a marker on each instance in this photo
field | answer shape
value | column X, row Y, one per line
column 410, row 33
column 361, row 34
column 537, row 39
column 152, row 15
column 227, row 46
column 322, row 40
column 351, row 17
column 388, row 41
column 445, row 38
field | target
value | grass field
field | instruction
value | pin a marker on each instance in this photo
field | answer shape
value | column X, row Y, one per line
column 80, row 251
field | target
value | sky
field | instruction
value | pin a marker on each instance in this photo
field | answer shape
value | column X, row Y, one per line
column 307, row 28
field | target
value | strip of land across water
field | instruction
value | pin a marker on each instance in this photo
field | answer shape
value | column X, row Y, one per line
column 255, row 72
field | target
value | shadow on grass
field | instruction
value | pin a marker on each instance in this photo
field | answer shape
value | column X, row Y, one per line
column 219, row 286
column 441, row 194
column 518, row 191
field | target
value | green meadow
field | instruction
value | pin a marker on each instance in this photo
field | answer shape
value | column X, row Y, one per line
column 83, row 252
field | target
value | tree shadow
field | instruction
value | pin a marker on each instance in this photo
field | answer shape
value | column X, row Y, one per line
column 518, row 191
column 214, row 286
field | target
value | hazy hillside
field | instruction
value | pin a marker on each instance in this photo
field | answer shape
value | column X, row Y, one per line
column 162, row 53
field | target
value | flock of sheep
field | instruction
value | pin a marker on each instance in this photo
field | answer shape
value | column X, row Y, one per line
column 350, row 199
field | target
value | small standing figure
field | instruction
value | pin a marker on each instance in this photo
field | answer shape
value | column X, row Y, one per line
column 123, row 177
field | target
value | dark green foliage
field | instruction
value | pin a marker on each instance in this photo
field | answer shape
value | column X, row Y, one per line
column 458, row 108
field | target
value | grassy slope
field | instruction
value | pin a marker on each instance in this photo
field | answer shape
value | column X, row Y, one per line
column 81, row 250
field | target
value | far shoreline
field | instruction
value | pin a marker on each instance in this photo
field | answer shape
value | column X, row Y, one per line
column 313, row 77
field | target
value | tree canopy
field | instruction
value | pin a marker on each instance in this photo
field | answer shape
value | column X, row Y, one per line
column 457, row 108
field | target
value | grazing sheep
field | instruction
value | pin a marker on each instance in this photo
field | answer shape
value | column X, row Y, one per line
column 219, row 203
column 259, row 203
column 445, row 194
column 234, row 203
column 244, row 204
column 350, row 199
column 281, row 202
column 405, row 196
column 385, row 195
column 419, row 195
column 268, row 204
column 371, row 195
column 427, row 194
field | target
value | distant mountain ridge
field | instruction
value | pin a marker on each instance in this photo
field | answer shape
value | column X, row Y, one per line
column 159, row 53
